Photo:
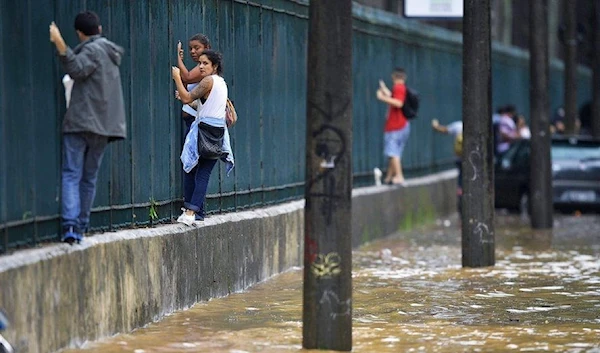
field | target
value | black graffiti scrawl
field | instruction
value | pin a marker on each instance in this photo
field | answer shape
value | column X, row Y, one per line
column 330, row 148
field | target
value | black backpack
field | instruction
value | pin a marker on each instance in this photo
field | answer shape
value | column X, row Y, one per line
column 411, row 104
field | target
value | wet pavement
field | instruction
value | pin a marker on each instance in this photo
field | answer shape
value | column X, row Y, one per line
column 411, row 295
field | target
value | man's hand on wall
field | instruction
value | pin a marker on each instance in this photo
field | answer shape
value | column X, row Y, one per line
column 57, row 39
column 54, row 33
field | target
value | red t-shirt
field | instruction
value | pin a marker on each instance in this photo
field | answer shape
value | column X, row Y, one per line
column 396, row 119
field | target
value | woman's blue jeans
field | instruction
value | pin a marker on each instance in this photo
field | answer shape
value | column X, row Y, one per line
column 82, row 157
column 195, row 184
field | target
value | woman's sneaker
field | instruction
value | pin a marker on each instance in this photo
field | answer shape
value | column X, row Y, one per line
column 187, row 219
column 70, row 237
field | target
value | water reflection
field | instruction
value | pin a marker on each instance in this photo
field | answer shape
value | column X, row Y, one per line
column 411, row 295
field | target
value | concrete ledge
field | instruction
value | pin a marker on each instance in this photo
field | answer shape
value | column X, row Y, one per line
column 61, row 296
column 379, row 211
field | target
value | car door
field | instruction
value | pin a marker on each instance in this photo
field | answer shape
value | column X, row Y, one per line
column 512, row 175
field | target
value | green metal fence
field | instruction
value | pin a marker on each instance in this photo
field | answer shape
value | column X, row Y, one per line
column 264, row 44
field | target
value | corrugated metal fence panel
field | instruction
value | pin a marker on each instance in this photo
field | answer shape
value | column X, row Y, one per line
column 31, row 156
column 119, row 164
column 510, row 76
column 3, row 135
column 264, row 47
column 44, row 159
column 557, row 79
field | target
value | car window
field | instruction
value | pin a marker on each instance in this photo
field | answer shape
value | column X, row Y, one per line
column 567, row 152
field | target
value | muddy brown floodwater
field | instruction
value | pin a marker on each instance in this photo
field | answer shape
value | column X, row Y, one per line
column 411, row 295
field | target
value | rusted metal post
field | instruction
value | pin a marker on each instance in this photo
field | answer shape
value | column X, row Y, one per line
column 327, row 301
column 596, row 71
column 478, row 149
column 540, row 192
column 570, row 44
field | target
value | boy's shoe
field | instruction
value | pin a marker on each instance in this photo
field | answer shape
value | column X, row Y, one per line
column 71, row 237
column 186, row 219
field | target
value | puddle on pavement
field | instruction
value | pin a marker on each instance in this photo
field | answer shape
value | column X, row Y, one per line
column 411, row 295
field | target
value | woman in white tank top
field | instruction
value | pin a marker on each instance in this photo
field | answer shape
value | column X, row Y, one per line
column 208, row 138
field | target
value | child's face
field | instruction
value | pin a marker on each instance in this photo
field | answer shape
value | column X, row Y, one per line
column 196, row 48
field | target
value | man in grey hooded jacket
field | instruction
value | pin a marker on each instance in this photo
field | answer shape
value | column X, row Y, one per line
column 95, row 117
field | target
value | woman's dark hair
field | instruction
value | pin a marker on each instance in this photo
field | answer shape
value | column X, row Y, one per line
column 202, row 39
column 215, row 58
column 87, row 22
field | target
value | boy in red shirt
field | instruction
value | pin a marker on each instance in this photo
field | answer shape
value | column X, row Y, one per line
column 397, row 127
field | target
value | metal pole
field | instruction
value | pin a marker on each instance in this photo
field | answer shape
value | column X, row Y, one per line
column 570, row 7
column 327, row 301
column 540, row 167
column 596, row 71
column 478, row 167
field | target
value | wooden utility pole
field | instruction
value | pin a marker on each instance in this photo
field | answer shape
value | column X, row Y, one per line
column 478, row 149
column 540, row 168
column 596, row 71
column 327, row 301
column 570, row 43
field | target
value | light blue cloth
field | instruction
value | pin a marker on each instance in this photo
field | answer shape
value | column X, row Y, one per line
column 190, row 156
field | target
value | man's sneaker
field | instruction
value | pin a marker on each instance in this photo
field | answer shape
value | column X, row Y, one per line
column 187, row 219
column 71, row 237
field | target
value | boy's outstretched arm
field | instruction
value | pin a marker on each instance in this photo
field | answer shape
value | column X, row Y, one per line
column 384, row 88
column 435, row 124
column 396, row 103
column 57, row 39
column 78, row 66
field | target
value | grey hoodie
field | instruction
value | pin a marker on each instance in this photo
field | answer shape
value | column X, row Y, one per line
column 97, row 98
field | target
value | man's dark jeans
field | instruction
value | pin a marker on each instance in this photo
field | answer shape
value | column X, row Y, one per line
column 82, row 156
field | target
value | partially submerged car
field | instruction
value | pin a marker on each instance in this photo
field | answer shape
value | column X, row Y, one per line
column 575, row 175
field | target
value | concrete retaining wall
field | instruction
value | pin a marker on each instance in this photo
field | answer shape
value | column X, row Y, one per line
column 60, row 296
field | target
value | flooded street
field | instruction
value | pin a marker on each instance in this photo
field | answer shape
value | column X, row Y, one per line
column 411, row 295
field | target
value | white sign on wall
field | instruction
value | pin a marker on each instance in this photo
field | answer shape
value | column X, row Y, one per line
column 433, row 8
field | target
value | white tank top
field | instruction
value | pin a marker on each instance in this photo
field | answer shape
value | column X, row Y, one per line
column 214, row 107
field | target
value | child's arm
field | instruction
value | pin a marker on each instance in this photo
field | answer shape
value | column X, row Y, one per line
column 435, row 124
column 191, row 76
column 384, row 88
column 396, row 103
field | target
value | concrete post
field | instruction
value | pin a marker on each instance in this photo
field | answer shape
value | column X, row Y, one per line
column 478, row 149
column 327, row 301
column 570, row 44
column 554, row 10
column 540, row 167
